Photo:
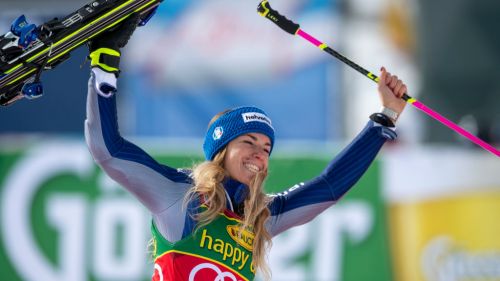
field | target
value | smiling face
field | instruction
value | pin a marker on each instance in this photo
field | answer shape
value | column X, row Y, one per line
column 247, row 155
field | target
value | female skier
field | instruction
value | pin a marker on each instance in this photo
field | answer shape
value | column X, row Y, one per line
column 214, row 222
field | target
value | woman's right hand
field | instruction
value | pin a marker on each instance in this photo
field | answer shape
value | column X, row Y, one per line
column 105, row 48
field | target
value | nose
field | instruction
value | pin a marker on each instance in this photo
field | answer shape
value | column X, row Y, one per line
column 260, row 153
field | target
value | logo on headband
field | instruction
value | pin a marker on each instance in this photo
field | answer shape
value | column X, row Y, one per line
column 256, row 117
column 218, row 131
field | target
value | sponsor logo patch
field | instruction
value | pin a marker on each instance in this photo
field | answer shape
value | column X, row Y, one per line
column 246, row 239
column 218, row 132
column 220, row 274
column 256, row 117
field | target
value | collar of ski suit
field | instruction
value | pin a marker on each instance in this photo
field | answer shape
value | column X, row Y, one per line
column 236, row 190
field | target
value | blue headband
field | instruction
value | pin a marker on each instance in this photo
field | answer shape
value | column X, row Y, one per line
column 234, row 123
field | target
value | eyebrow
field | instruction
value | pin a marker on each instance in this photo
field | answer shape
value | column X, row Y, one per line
column 255, row 139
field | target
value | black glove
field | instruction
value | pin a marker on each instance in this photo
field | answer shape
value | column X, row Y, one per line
column 105, row 48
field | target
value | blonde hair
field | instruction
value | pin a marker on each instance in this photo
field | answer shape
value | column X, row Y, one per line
column 208, row 177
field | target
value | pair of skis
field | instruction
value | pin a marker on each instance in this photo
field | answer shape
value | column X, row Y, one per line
column 27, row 50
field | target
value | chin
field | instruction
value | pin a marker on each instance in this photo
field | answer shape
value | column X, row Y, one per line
column 246, row 180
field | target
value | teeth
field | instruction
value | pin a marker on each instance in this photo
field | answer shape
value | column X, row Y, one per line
column 253, row 168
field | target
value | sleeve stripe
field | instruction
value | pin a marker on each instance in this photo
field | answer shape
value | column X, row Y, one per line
column 337, row 178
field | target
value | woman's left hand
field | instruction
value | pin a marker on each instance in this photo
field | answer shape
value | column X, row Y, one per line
column 391, row 89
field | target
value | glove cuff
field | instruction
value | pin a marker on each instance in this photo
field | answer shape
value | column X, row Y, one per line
column 106, row 59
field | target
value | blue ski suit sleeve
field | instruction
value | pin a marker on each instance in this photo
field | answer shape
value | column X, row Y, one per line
column 305, row 201
column 160, row 188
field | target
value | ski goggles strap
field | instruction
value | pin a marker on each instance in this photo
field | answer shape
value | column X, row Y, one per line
column 106, row 59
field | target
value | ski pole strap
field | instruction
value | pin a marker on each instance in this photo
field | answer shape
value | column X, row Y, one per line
column 106, row 59
column 265, row 10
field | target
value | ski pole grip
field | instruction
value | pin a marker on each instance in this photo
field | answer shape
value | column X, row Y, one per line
column 265, row 10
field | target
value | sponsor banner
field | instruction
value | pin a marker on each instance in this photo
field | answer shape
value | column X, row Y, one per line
column 444, row 214
column 62, row 218
column 219, row 44
column 219, row 54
